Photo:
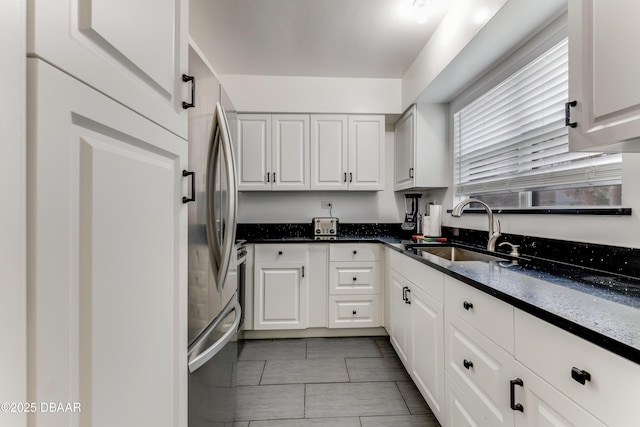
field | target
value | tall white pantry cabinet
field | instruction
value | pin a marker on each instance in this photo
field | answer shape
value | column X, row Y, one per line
column 107, row 236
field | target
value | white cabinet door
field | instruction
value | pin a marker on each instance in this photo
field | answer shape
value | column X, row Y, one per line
column 366, row 153
column 135, row 51
column 106, row 258
column 603, row 75
column 329, row 152
column 253, row 152
column 290, row 152
column 405, row 130
column 427, row 349
column 400, row 317
column 543, row 405
column 280, row 296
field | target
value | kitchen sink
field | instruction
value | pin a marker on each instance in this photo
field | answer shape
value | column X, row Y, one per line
column 452, row 253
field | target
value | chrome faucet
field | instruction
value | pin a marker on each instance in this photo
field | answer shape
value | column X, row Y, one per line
column 493, row 236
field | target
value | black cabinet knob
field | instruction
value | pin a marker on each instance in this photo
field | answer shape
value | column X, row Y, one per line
column 355, row 312
column 467, row 305
column 355, row 252
column 279, row 252
column 580, row 376
column 467, row 364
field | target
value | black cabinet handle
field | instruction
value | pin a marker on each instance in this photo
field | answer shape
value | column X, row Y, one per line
column 303, row 271
column 193, row 187
column 467, row 305
column 186, row 78
column 567, row 114
column 467, row 364
column 274, row 177
column 404, row 293
column 410, row 172
column 580, row 376
column 516, row 406
column 345, row 177
column 408, row 301
column 268, row 176
column 350, row 177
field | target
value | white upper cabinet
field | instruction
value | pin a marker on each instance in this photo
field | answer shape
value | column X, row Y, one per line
column 330, row 152
column 603, row 75
column 290, row 152
column 253, row 152
column 421, row 156
column 347, row 152
column 273, row 152
column 366, row 153
column 134, row 51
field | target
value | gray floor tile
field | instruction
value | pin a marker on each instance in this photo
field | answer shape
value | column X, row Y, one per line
column 326, row 348
column 385, row 347
column 376, row 369
column 273, row 349
column 309, row 422
column 305, row 371
column 400, row 421
column 412, row 397
column 270, row 402
column 249, row 372
column 353, row 399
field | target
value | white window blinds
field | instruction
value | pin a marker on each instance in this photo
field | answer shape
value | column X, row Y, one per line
column 513, row 138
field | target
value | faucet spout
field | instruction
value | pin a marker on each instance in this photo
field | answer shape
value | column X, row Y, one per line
column 493, row 236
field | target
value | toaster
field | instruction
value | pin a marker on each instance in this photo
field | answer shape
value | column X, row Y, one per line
column 325, row 226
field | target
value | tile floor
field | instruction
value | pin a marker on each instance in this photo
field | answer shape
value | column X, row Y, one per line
column 326, row 382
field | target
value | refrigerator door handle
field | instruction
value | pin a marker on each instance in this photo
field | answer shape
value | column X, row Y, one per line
column 207, row 354
column 220, row 142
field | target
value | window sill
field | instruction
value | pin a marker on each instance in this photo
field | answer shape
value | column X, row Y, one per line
column 615, row 211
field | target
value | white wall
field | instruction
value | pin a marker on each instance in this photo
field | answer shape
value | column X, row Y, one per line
column 287, row 94
column 13, row 285
column 300, row 207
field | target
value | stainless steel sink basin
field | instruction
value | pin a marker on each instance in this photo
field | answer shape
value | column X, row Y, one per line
column 452, row 253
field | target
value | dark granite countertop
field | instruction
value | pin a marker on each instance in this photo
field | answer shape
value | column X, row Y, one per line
column 601, row 307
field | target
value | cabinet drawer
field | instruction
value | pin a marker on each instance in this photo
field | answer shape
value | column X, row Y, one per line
column 552, row 353
column 354, row 252
column 354, row 311
column 281, row 253
column 354, row 278
column 481, row 367
column 426, row 278
column 489, row 315
column 460, row 409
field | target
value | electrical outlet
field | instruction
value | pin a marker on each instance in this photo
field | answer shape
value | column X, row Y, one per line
column 326, row 204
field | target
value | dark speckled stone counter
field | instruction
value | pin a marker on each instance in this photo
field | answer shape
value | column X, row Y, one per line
column 601, row 307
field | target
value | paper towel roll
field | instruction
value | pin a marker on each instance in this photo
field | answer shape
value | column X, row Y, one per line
column 435, row 221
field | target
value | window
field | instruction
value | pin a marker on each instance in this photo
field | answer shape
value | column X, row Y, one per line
column 511, row 145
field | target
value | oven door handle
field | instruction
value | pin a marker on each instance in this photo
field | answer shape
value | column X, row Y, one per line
column 203, row 357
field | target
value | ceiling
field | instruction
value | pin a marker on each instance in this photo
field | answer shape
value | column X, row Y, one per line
column 320, row 38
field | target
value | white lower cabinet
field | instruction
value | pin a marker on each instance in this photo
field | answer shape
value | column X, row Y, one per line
column 280, row 287
column 354, row 285
column 460, row 410
column 416, row 327
column 480, row 367
column 543, row 405
column 602, row 383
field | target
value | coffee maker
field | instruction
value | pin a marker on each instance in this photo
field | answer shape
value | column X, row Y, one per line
column 411, row 212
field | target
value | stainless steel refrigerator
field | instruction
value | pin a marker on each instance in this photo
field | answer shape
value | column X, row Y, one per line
column 214, row 309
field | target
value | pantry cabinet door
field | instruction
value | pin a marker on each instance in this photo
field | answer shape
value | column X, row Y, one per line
column 603, row 75
column 134, row 51
column 106, row 259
